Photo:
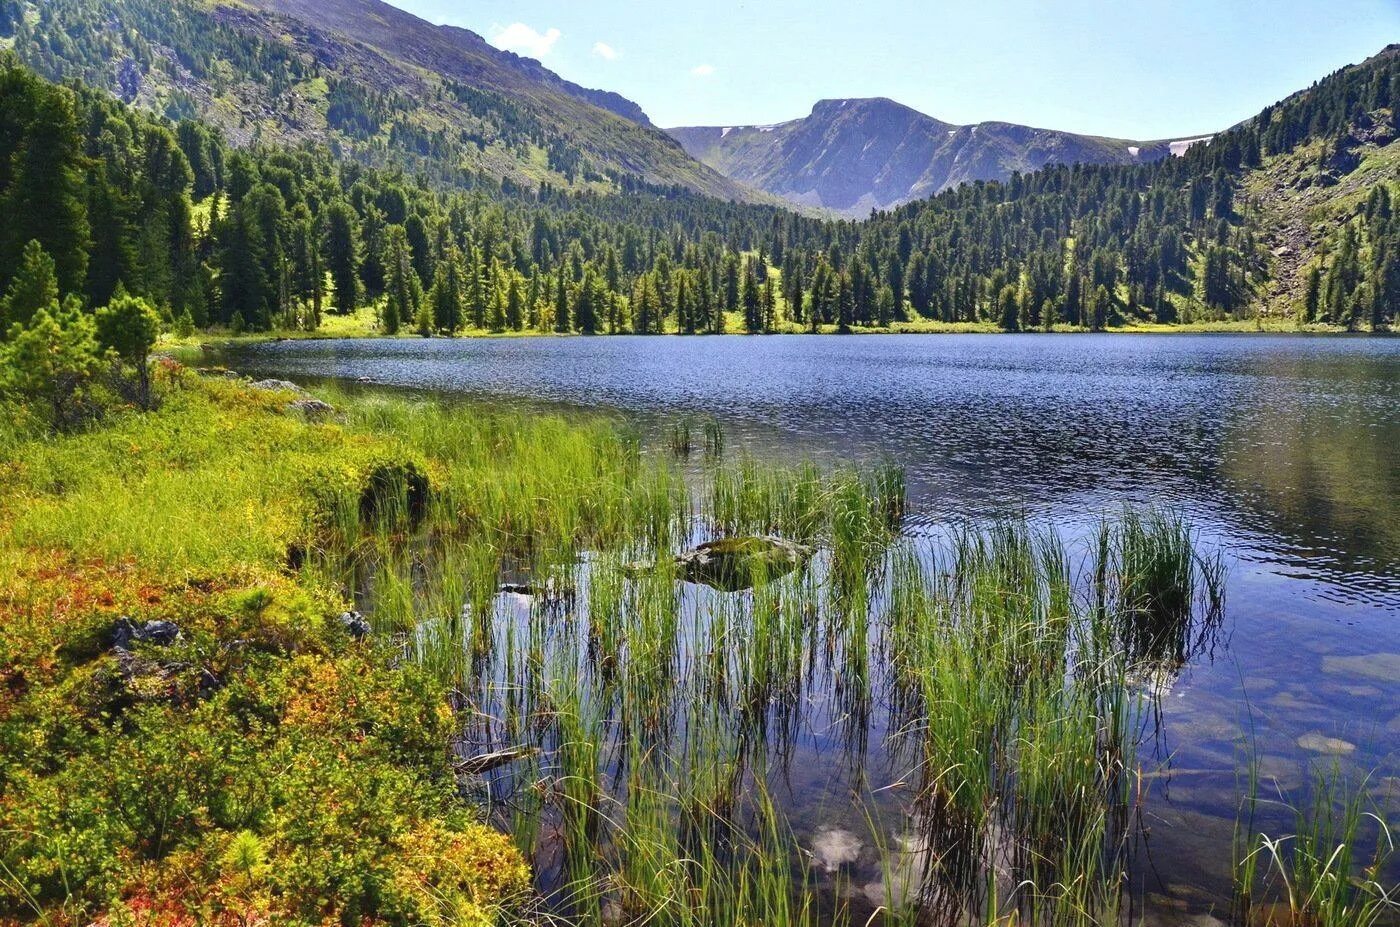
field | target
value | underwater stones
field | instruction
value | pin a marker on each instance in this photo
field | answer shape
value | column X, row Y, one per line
column 354, row 624
column 1317, row 742
column 833, row 848
column 1383, row 667
column 905, row 869
column 732, row 564
column 127, row 632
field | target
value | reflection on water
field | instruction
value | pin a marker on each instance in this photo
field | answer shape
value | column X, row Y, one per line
column 1289, row 440
column 1281, row 449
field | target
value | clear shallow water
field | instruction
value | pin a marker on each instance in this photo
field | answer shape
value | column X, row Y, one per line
column 1285, row 451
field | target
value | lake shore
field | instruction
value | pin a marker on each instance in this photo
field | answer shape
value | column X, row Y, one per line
column 363, row 325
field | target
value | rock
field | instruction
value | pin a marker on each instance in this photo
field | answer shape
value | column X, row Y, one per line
column 220, row 373
column 833, row 848
column 354, row 624
column 127, row 632
column 485, row 762
column 1382, row 667
column 277, row 386
column 732, row 564
column 313, row 409
column 1317, row 742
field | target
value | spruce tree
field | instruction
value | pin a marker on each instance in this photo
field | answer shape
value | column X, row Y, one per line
column 33, row 288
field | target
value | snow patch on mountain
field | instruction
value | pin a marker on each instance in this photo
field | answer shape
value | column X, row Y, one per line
column 1179, row 148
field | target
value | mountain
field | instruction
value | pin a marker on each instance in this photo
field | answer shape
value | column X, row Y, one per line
column 851, row 156
column 364, row 77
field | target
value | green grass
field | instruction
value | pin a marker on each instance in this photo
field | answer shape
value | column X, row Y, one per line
column 1322, row 873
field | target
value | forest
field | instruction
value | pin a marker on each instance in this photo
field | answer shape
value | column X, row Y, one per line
column 168, row 226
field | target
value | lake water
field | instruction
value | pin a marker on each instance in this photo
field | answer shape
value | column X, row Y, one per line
column 1284, row 451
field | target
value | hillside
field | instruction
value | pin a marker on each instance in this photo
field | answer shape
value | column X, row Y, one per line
column 229, row 236
column 852, row 156
column 368, row 79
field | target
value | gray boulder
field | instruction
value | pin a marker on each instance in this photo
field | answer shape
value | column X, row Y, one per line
column 313, row 409
column 354, row 624
column 127, row 632
column 278, row 386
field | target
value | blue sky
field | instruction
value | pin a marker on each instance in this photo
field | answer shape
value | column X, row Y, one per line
column 1131, row 68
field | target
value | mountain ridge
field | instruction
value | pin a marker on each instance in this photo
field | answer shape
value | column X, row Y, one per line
column 851, row 155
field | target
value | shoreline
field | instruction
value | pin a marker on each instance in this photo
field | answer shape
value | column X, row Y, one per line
column 214, row 339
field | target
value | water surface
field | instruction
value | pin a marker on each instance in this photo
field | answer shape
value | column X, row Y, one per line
column 1283, row 450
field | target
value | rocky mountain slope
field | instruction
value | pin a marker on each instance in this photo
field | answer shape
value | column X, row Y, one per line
column 852, row 156
column 372, row 81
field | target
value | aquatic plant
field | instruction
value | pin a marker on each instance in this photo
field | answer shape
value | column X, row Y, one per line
column 1320, row 874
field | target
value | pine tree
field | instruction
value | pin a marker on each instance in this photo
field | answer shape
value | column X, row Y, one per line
column 44, row 199
column 33, row 288
column 343, row 256
column 403, row 290
column 446, row 294
column 53, row 362
column 768, row 299
column 562, row 322
column 751, row 301
column 588, row 303
column 1008, row 310
column 129, row 326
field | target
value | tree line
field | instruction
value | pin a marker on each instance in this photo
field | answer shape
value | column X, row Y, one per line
column 113, row 203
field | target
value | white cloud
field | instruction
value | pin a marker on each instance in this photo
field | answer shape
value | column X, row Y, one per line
column 604, row 50
column 524, row 40
column 703, row 70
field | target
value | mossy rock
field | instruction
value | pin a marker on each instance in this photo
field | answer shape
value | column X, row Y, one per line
column 732, row 564
column 378, row 485
column 392, row 489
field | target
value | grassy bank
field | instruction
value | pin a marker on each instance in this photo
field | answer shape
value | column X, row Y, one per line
column 255, row 763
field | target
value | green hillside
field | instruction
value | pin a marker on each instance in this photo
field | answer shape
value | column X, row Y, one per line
column 363, row 77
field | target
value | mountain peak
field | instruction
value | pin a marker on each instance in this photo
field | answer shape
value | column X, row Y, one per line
column 857, row 154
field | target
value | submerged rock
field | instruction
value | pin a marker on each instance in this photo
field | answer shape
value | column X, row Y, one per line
column 1317, row 742
column 485, row 762
column 127, row 632
column 1384, row 667
column 732, row 564
column 833, row 848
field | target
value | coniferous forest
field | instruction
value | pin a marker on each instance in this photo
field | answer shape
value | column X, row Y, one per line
column 105, row 198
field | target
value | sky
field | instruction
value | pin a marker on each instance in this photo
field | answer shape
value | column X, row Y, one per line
column 1142, row 69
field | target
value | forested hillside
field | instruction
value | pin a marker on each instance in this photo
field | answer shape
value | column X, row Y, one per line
column 361, row 76
column 104, row 200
